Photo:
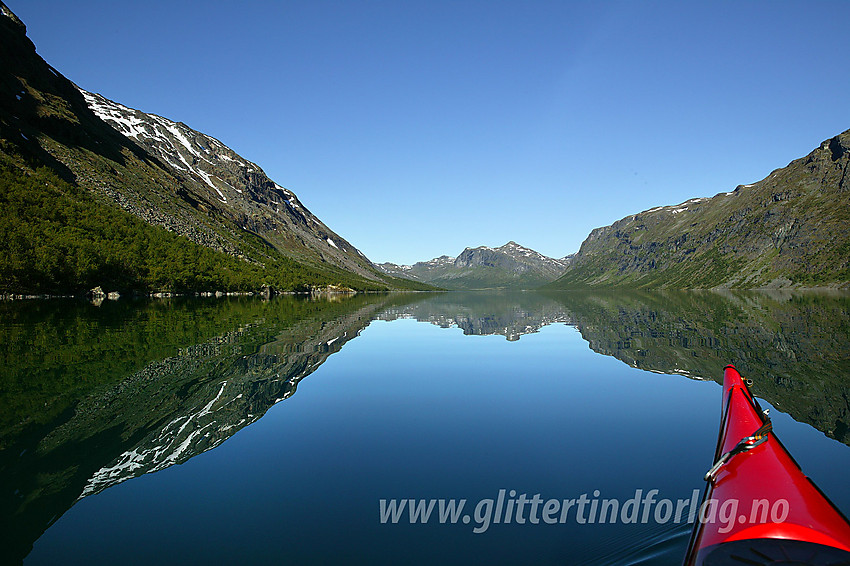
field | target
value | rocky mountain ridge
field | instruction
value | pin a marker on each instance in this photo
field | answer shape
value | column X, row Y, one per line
column 788, row 230
column 510, row 266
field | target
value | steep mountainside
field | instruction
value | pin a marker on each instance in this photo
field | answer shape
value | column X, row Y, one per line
column 141, row 202
column 508, row 267
column 791, row 229
column 233, row 187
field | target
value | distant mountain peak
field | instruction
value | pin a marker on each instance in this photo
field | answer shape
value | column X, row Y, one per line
column 508, row 266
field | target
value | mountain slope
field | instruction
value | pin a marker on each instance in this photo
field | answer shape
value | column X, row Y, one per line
column 511, row 266
column 233, row 187
column 791, row 229
column 86, row 205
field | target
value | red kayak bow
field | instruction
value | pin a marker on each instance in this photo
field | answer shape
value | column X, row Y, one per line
column 759, row 508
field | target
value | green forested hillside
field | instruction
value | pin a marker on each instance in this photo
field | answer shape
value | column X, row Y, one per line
column 59, row 239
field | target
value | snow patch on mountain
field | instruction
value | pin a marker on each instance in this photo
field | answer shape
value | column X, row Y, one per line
column 677, row 208
column 170, row 140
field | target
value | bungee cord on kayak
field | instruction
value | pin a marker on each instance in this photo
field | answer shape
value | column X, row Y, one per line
column 746, row 444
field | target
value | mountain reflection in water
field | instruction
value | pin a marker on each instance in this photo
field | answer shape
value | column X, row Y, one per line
column 94, row 396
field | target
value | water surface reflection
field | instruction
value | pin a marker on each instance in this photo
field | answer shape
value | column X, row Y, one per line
column 94, row 396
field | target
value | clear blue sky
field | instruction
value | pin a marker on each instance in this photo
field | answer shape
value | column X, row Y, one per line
column 414, row 129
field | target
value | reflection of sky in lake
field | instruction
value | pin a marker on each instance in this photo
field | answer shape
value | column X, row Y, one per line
column 409, row 410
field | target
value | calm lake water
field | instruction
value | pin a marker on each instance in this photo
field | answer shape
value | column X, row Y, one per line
column 171, row 432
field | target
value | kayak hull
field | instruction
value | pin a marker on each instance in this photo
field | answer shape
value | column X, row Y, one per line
column 759, row 504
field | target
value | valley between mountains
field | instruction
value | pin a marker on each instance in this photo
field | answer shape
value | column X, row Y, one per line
column 97, row 194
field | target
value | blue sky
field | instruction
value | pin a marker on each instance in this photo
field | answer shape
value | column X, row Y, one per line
column 415, row 129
